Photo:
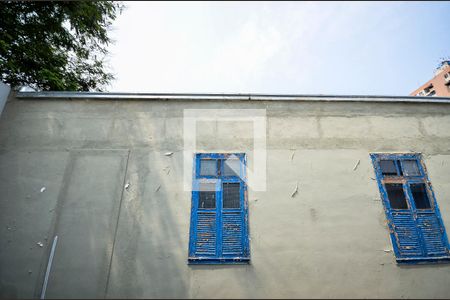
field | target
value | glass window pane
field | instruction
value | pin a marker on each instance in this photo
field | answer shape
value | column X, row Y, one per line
column 410, row 168
column 231, row 195
column 208, row 167
column 231, row 167
column 420, row 195
column 388, row 167
column 396, row 196
column 207, row 195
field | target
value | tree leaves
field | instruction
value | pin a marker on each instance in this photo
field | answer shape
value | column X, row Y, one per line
column 56, row 45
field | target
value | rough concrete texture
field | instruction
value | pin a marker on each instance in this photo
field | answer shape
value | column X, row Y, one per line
column 326, row 242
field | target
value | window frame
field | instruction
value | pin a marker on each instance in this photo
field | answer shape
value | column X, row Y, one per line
column 406, row 182
column 220, row 257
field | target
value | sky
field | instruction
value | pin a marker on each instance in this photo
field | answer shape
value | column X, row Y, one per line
column 332, row 48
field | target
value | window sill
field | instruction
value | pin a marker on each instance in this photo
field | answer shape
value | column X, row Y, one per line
column 423, row 260
column 218, row 261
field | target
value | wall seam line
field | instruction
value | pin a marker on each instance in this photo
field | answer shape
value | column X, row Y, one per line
column 117, row 224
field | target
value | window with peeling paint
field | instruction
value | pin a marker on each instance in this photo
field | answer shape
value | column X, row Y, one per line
column 415, row 224
column 219, row 214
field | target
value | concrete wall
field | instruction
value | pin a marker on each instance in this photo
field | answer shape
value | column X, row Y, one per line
column 327, row 241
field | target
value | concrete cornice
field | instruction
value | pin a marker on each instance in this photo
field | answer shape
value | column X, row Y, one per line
column 222, row 97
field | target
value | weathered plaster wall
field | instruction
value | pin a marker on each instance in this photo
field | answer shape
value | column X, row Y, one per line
column 327, row 241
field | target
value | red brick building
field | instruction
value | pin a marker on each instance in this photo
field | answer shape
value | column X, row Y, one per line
column 439, row 85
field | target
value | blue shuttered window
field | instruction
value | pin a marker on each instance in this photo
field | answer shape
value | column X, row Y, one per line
column 415, row 224
column 219, row 215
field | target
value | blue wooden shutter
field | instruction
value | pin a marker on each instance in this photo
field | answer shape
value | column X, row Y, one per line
column 233, row 215
column 203, row 236
column 417, row 232
column 206, row 234
column 232, row 234
column 432, row 234
column 406, row 234
column 418, row 235
column 219, row 234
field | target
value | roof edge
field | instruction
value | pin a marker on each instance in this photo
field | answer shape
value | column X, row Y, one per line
column 221, row 97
